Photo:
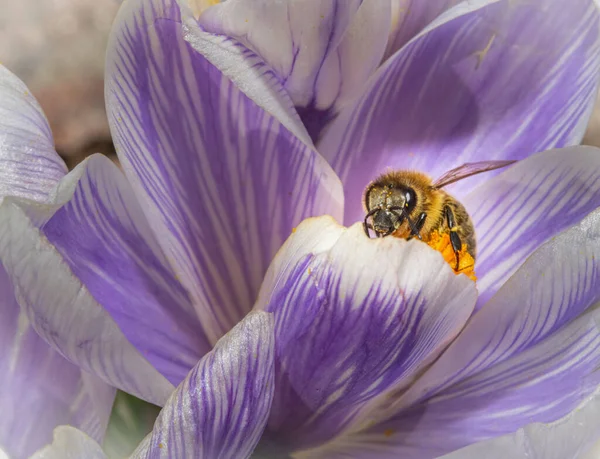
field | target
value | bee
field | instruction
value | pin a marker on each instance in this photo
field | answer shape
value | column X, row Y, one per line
column 410, row 204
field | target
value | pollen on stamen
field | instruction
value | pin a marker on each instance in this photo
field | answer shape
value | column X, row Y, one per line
column 388, row 433
column 466, row 265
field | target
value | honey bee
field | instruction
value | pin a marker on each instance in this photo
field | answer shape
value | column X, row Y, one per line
column 410, row 204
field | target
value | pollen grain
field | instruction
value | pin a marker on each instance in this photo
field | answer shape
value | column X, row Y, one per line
column 466, row 265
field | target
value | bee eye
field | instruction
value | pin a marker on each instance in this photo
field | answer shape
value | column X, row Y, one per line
column 410, row 199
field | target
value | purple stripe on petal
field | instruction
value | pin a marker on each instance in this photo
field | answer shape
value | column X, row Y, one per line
column 478, row 84
column 70, row 443
column 62, row 311
column 221, row 408
column 29, row 166
column 352, row 321
column 103, row 235
column 222, row 182
column 516, row 211
column 542, row 384
column 409, row 17
column 247, row 71
column 39, row 388
column 556, row 284
column 322, row 52
column 569, row 437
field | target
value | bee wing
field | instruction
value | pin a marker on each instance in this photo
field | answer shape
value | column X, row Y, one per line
column 467, row 170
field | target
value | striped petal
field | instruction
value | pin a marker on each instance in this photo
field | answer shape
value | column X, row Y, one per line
column 40, row 389
column 29, row 166
column 222, row 182
column 64, row 313
column 346, row 334
column 518, row 210
column 541, row 384
column 553, row 287
column 244, row 68
column 409, row 17
column 530, row 355
column 570, row 437
column 477, row 84
column 70, row 443
column 98, row 227
column 322, row 51
column 221, row 408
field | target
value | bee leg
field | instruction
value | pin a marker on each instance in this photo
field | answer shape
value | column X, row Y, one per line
column 454, row 237
column 366, row 226
column 418, row 226
column 420, row 222
column 414, row 230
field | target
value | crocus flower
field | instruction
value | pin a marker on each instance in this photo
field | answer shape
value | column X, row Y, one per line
column 38, row 387
column 229, row 142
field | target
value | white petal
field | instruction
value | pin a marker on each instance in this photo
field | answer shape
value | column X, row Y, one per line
column 29, row 166
column 70, row 443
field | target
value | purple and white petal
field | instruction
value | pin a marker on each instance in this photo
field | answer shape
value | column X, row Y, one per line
column 221, row 408
column 222, row 182
column 409, row 17
column 518, row 210
column 29, row 166
column 477, row 84
column 557, row 283
column 542, row 384
column 98, row 227
column 64, row 313
column 244, row 67
column 323, row 52
column 40, row 389
column 572, row 436
column 70, row 443
column 353, row 320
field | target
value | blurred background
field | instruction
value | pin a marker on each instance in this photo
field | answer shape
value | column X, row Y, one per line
column 57, row 48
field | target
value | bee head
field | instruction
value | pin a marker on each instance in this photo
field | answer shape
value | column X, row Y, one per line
column 387, row 205
column 385, row 222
